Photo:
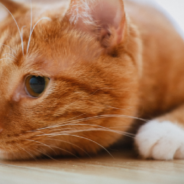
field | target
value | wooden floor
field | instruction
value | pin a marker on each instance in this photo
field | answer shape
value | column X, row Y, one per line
column 104, row 169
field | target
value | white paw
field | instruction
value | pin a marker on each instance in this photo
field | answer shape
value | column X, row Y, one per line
column 160, row 140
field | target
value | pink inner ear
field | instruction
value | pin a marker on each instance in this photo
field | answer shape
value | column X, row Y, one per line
column 108, row 15
column 108, row 12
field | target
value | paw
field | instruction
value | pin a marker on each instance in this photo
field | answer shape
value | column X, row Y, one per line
column 160, row 140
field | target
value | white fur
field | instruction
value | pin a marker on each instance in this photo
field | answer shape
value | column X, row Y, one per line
column 160, row 140
column 81, row 10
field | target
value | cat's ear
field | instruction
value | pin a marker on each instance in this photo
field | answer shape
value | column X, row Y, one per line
column 104, row 18
column 11, row 6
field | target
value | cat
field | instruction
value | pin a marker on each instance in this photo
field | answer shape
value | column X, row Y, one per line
column 76, row 76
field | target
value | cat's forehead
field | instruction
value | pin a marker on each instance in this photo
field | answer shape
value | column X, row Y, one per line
column 42, row 41
column 47, row 10
column 24, row 26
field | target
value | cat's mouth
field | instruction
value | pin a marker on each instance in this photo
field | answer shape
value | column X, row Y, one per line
column 17, row 147
column 74, row 139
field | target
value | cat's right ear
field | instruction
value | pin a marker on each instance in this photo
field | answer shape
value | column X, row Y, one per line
column 11, row 6
column 105, row 19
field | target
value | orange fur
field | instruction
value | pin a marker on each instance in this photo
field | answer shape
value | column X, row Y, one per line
column 97, row 84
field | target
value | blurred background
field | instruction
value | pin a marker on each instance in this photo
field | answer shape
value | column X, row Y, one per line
column 173, row 8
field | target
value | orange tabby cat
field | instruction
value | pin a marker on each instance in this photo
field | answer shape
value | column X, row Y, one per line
column 74, row 77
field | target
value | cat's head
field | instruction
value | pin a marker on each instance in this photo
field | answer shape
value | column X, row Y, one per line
column 69, row 77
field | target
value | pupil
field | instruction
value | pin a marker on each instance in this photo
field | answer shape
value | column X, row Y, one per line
column 37, row 84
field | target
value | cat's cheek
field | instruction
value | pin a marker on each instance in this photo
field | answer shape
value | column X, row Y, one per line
column 160, row 140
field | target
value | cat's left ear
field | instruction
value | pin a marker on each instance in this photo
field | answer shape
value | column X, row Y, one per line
column 104, row 18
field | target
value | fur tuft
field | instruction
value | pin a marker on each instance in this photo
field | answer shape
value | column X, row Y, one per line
column 81, row 10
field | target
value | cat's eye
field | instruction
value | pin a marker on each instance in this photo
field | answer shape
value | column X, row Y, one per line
column 35, row 86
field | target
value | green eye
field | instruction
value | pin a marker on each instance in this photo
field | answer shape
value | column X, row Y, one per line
column 35, row 86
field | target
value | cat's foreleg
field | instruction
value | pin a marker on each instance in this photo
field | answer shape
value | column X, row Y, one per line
column 163, row 137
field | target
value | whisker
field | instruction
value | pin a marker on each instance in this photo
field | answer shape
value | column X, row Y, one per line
column 40, row 143
column 31, row 16
column 52, row 147
column 90, row 118
column 70, row 144
column 38, row 151
column 93, row 142
column 26, row 152
column 43, row 18
column 31, row 25
column 22, row 43
column 90, row 130
column 102, row 128
column 125, row 116
column 87, row 140
column 75, row 117
column 22, row 33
